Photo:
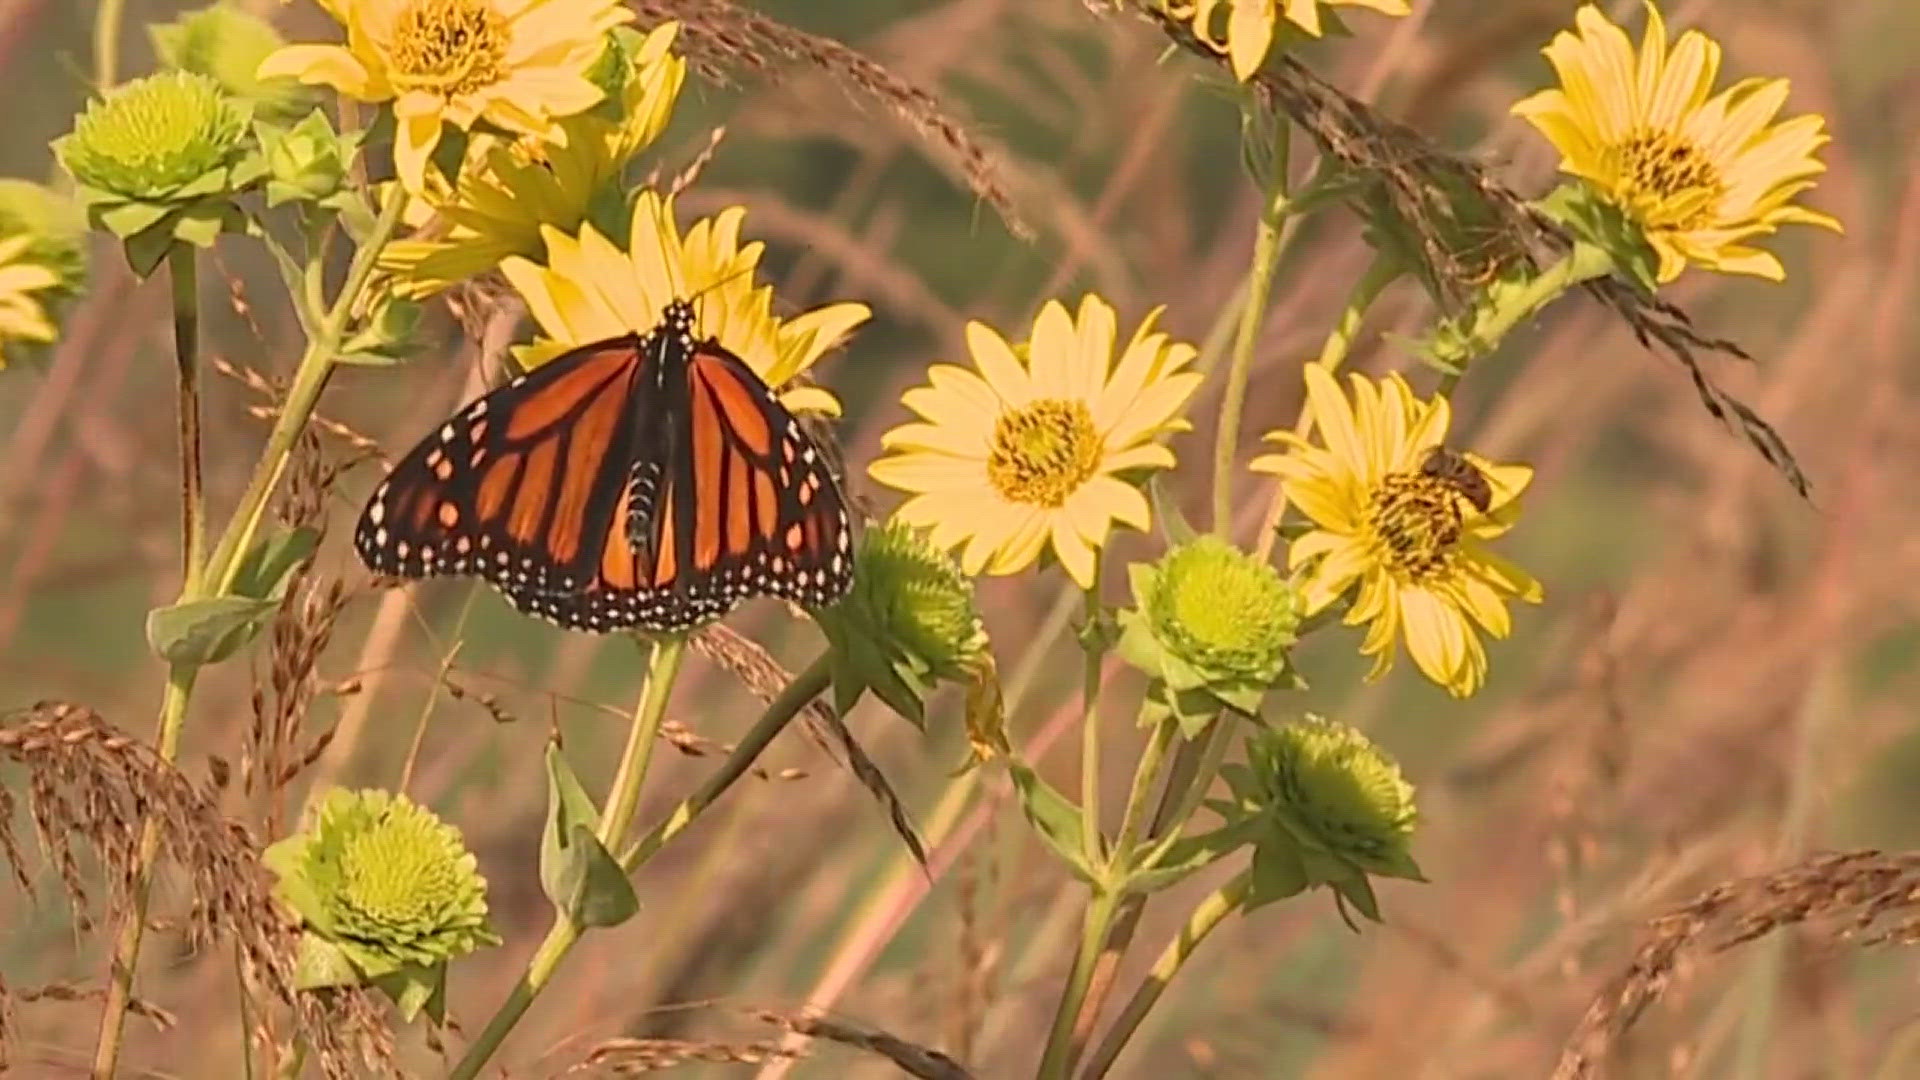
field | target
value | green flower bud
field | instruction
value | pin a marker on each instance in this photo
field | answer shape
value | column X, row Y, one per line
column 615, row 65
column 307, row 162
column 907, row 624
column 1210, row 623
column 384, row 882
column 227, row 45
column 1328, row 807
column 55, row 228
column 154, row 137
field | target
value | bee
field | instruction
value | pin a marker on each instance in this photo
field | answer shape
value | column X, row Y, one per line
column 1452, row 468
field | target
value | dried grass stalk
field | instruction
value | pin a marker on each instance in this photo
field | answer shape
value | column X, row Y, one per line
column 721, row 39
column 1460, row 212
column 1857, row 897
column 913, row 1059
column 765, row 678
column 91, row 786
column 631, row 1057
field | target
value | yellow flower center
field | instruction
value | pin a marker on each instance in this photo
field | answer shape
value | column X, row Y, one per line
column 1415, row 523
column 1668, row 177
column 450, row 47
column 1043, row 453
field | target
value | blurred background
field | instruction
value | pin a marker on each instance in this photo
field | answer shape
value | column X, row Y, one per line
column 1721, row 681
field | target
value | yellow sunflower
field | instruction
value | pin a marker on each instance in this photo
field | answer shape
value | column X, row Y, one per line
column 1023, row 453
column 518, row 64
column 22, row 318
column 590, row 289
column 1250, row 24
column 510, row 188
column 1701, row 173
column 1405, row 534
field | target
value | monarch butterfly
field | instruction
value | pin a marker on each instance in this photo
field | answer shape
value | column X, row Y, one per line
column 649, row 480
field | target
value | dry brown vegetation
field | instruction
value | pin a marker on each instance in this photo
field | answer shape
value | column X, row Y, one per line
column 1720, row 689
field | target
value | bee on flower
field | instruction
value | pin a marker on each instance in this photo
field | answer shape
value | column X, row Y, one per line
column 1396, row 529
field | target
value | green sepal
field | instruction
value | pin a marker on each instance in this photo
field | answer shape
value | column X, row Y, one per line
column 387, row 337
column 1591, row 218
column 577, row 873
column 1058, row 821
column 320, row 964
column 1278, row 873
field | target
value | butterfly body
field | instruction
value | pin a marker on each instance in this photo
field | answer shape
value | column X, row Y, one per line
column 650, row 480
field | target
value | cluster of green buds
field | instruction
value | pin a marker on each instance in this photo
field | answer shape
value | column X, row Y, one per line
column 387, row 894
column 157, row 161
column 907, row 625
column 1212, row 626
column 1322, row 805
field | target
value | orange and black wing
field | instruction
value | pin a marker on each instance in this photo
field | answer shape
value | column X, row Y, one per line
column 520, row 485
column 728, row 499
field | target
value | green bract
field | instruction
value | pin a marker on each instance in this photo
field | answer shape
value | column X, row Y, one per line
column 387, row 891
column 1325, row 807
column 1212, row 625
column 228, row 44
column 907, row 624
column 156, row 160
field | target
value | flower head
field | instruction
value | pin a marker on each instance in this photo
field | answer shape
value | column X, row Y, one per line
column 384, row 882
column 908, row 623
column 1251, row 24
column 226, row 43
column 518, row 64
column 590, row 289
column 1702, row 174
column 1407, row 538
column 1024, row 453
column 1328, row 808
column 511, row 188
column 23, row 316
column 1213, row 619
column 156, row 137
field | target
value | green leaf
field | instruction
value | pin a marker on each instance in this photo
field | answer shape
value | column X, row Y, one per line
column 320, row 963
column 127, row 218
column 292, row 276
column 1187, row 854
column 264, row 571
column 577, row 873
column 147, row 249
column 1058, row 821
column 205, row 631
column 1358, row 891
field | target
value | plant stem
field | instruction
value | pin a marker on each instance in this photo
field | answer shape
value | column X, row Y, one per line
column 106, row 44
column 1333, row 353
column 185, row 284
column 1095, row 648
column 1582, row 264
column 807, row 685
column 216, row 579
column 1207, row 915
column 623, row 798
column 1144, row 774
column 1266, row 252
column 1062, row 1045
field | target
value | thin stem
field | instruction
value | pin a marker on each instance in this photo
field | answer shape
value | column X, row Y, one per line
column 106, row 44
column 1333, row 353
column 1144, row 774
column 433, row 691
column 1062, row 1045
column 806, row 686
column 1206, row 916
column 186, row 335
column 623, row 798
column 1095, row 648
column 1266, row 252
column 216, row 579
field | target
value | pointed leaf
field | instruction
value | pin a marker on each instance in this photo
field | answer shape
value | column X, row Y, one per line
column 264, row 571
column 1058, row 821
column 1173, row 524
column 320, row 963
column 205, row 631
column 582, row 879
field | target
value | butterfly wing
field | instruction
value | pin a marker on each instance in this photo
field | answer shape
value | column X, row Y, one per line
column 519, row 486
column 727, row 499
